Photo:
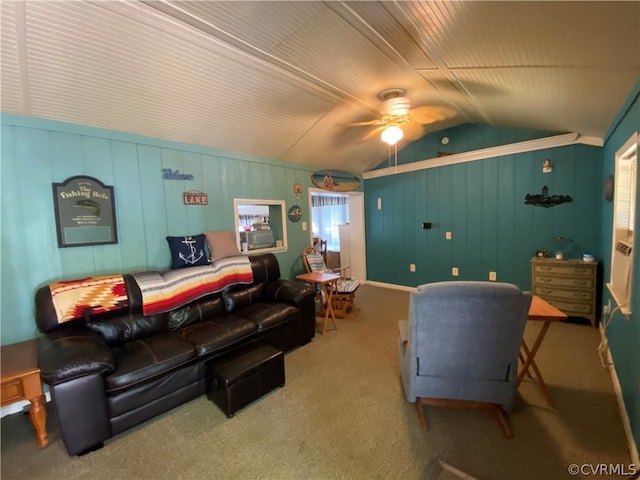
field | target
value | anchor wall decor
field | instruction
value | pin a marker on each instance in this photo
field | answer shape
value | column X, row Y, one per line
column 544, row 200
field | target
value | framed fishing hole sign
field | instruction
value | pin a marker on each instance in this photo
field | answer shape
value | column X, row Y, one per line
column 85, row 212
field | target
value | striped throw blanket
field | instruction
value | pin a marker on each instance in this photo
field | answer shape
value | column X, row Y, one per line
column 88, row 296
column 164, row 291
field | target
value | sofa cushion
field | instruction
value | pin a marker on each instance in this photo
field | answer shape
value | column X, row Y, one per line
column 187, row 251
column 148, row 358
column 236, row 298
column 267, row 315
column 213, row 335
column 195, row 312
column 126, row 328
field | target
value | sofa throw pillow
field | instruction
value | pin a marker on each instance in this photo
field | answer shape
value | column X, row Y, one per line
column 221, row 244
column 187, row 251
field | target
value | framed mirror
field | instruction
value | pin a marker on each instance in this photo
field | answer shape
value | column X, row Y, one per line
column 260, row 225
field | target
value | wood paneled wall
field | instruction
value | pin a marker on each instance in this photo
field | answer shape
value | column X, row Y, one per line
column 482, row 204
column 36, row 153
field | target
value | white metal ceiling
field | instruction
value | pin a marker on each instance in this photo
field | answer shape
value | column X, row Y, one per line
column 282, row 79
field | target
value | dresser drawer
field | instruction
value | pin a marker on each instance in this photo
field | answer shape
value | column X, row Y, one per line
column 587, row 283
column 578, row 295
column 566, row 270
column 12, row 391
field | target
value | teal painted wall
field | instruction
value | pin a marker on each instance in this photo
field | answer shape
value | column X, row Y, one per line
column 482, row 204
column 35, row 153
column 463, row 138
column 624, row 335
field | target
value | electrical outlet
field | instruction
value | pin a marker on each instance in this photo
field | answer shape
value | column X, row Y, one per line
column 492, row 276
column 606, row 309
column 454, row 271
column 447, row 235
column 412, row 267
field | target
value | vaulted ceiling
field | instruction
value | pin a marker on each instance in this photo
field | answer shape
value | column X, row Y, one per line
column 284, row 80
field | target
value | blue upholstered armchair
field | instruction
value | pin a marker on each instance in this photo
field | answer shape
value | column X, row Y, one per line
column 460, row 346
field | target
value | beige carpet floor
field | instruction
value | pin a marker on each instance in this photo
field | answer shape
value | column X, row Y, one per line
column 343, row 415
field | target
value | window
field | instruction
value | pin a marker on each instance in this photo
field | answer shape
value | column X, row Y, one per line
column 624, row 219
column 328, row 212
column 260, row 225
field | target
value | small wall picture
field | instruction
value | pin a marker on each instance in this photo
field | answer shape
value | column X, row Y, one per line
column 85, row 212
column 294, row 213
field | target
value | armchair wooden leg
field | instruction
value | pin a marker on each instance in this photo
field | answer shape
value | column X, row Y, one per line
column 420, row 407
column 502, row 420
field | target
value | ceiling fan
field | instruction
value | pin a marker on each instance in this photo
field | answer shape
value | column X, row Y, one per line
column 399, row 120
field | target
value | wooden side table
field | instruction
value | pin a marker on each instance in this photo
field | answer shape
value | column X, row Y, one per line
column 20, row 380
column 540, row 311
column 324, row 280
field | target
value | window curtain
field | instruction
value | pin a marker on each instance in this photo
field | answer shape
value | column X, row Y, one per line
column 327, row 213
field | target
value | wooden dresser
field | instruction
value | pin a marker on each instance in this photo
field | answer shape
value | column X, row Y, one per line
column 569, row 285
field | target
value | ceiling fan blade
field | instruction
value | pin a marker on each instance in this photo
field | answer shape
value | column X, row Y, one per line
column 370, row 122
column 412, row 131
column 428, row 114
column 374, row 132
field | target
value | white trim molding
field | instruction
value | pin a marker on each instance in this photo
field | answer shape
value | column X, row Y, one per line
column 391, row 286
column 484, row 153
column 624, row 415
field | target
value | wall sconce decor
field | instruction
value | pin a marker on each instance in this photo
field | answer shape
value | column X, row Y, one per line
column 544, row 200
column 546, row 166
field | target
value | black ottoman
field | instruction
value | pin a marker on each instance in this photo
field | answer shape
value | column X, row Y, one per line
column 245, row 378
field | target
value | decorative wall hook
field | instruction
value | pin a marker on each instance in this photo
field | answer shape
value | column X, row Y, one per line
column 544, row 200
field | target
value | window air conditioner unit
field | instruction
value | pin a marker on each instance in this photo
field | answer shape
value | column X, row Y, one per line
column 621, row 272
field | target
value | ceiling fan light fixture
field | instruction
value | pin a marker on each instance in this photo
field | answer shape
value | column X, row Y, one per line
column 392, row 134
column 397, row 106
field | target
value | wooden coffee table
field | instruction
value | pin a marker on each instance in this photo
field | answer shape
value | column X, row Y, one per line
column 20, row 380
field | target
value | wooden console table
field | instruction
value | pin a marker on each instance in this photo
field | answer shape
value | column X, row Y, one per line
column 20, row 380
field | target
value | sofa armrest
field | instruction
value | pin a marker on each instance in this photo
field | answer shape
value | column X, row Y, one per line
column 289, row 291
column 71, row 353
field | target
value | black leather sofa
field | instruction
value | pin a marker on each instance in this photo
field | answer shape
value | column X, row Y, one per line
column 111, row 371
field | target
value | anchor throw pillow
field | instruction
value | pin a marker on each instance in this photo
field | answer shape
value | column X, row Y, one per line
column 187, row 251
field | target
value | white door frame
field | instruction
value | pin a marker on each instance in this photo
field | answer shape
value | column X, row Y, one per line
column 356, row 221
